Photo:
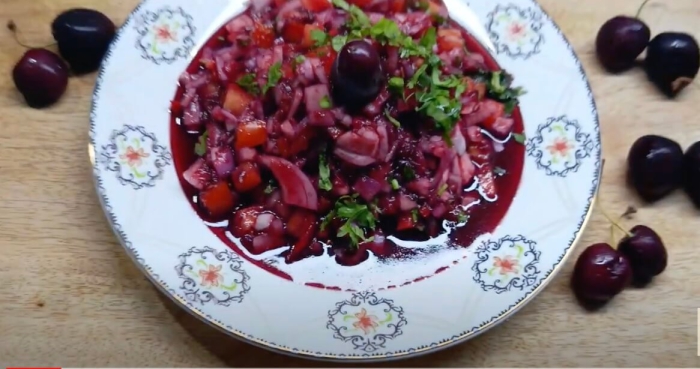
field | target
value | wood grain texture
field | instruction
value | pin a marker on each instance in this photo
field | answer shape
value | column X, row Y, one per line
column 69, row 296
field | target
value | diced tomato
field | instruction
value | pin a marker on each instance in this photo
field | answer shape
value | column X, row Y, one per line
column 175, row 107
column 263, row 35
column 282, row 145
column 405, row 222
column 208, row 64
column 287, row 71
column 236, row 100
column 496, row 111
column 499, row 127
column 424, row 211
column 243, row 221
column 299, row 222
column 246, row 177
column 360, row 3
column 327, row 56
column 250, row 134
column 301, row 141
column 293, row 31
column 307, row 41
column 316, row 5
column 448, row 39
column 435, row 8
column 398, row 6
column 217, row 200
column 472, row 86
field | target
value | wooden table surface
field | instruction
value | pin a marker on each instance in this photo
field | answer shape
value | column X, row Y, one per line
column 69, row 295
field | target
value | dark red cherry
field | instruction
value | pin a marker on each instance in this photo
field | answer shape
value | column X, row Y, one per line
column 672, row 61
column 691, row 173
column 41, row 77
column 356, row 75
column 655, row 166
column 620, row 41
column 83, row 36
column 646, row 253
column 600, row 273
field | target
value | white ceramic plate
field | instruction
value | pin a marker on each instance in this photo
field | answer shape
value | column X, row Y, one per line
column 484, row 284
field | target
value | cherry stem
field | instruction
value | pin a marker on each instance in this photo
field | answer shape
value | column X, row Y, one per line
column 612, row 235
column 639, row 11
column 610, row 219
column 15, row 34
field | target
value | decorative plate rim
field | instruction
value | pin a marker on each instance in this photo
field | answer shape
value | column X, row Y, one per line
column 401, row 354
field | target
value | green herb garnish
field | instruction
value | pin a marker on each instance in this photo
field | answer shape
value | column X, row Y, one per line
column 414, row 215
column 273, row 76
column 338, row 42
column 248, row 83
column 270, row 188
column 396, row 85
column 442, row 189
column 437, row 94
column 395, row 184
column 519, row 138
column 324, row 174
column 498, row 87
column 387, row 31
column 357, row 218
column 319, row 37
column 200, row 148
column 299, row 59
column 461, row 218
column 392, row 119
column 499, row 171
column 408, row 173
column 325, row 103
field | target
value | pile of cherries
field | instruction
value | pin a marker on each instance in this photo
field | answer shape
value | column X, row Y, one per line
column 672, row 59
column 656, row 166
column 82, row 35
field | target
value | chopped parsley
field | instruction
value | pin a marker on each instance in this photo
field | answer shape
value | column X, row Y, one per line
column 324, row 174
column 414, row 215
column 461, row 217
column 357, row 218
column 338, row 42
column 438, row 95
column 499, row 171
column 498, row 88
column 273, row 76
column 395, row 184
column 270, row 188
column 408, row 173
column 387, row 31
column 299, row 59
column 325, row 103
column 519, row 138
column 319, row 37
column 442, row 189
column 392, row 119
column 248, row 83
column 200, row 148
column 396, row 85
